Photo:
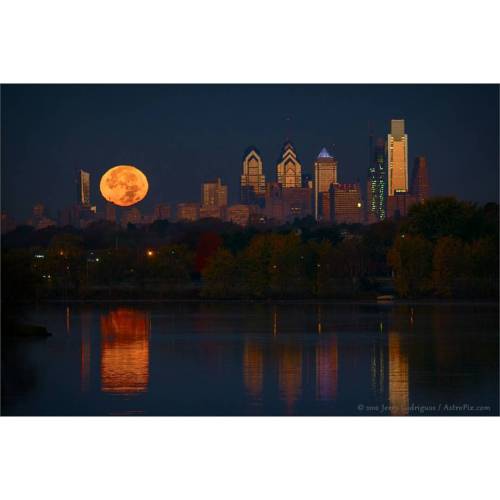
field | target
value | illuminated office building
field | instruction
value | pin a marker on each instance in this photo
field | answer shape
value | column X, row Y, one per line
column 376, row 188
column 288, row 168
column 397, row 158
column 420, row 185
column 325, row 175
column 83, row 188
column 346, row 205
column 214, row 194
column 188, row 211
column 210, row 212
column 240, row 213
column 253, row 180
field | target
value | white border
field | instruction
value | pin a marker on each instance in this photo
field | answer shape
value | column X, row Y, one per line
column 260, row 41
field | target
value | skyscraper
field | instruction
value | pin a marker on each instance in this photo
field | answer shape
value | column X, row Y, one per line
column 253, row 180
column 346, row 205
column 325, row 174
column 214, row 194
column 420, row 185
column 83, row 188
column 288, row 168
column 376, row 188
column 397, row 158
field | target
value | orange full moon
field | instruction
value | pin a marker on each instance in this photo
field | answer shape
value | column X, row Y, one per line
column 124, row 185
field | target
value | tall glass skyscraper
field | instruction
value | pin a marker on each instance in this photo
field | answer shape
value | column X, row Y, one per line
column 397, row 158
column 83, row 188
column 253, row 180
column 376, row 189
column 325, row 175
column 289, row 169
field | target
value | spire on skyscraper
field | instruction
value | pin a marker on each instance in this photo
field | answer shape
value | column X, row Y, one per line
column 324, row 153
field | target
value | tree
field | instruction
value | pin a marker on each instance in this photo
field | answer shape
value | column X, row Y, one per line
column 65, row 261
column 483, row 278
column 449, row 267
column 219, row 275
column 411, row 260
column 446, row 216
column 208, row 244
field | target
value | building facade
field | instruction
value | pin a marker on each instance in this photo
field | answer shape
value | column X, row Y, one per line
column 397, row 158
column 110, row 212
column 214, row 194
column 399, row 204
column 297, row 202
column 83, row 188
column 288, row 168
column 420, row 186
column 162, row 211
column 188, row 211
column 376, row 185
column 253, row 180
column 131, row 216
column 325, row 175
column 346, row 204
column 208, row 212
column 240, row 213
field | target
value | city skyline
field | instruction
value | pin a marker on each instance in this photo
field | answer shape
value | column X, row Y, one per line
column 292, row 194
column 180, row 136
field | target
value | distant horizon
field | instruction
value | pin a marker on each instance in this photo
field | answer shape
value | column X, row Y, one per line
column 182, row 135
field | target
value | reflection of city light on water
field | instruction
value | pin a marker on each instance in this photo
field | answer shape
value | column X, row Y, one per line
column 253, row 370
column 290, row 374
column 398, row 376
column 327, row 371
column 124, row 351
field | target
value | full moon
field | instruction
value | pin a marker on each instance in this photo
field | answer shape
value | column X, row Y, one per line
column 124, row 185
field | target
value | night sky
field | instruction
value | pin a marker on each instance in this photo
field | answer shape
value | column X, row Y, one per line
column 181, row 135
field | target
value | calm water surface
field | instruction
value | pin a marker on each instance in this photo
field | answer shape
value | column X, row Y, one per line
column 257, row 359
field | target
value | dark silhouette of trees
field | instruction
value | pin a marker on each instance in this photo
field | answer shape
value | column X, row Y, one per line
column 444, row 248
column 411, row 260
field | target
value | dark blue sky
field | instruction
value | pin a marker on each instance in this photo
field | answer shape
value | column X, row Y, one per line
column 180, row 135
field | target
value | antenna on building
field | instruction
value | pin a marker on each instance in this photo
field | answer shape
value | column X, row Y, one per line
column 288, row 121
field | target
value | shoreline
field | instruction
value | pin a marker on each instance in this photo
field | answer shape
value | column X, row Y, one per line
column 395, row 301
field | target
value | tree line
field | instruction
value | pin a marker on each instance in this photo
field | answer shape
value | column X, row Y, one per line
column 443, row 248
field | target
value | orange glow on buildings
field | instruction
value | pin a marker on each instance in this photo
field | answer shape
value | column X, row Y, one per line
column 124, row 351
column 397, row 158
column 398, row 376
column 253, row 370
column 253, row 180
column 289, row 169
